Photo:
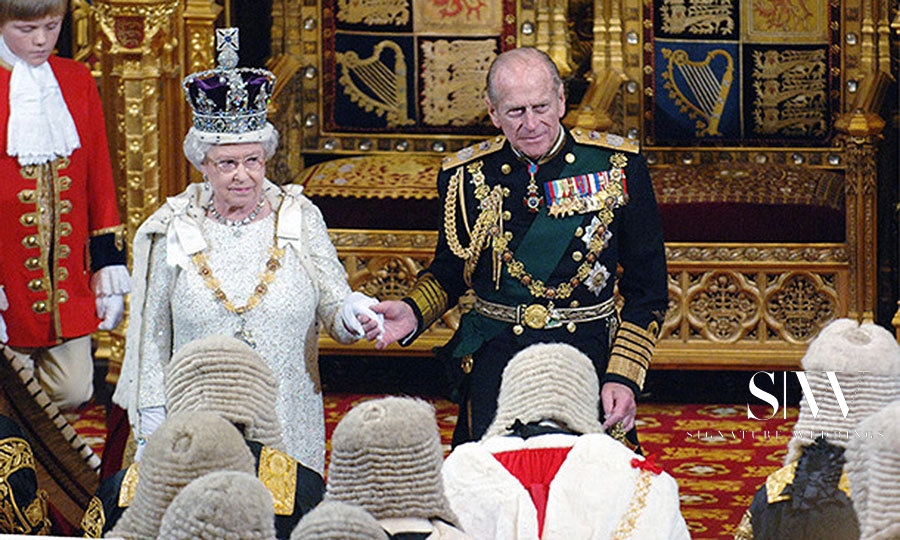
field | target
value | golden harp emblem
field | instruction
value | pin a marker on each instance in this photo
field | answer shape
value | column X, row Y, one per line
column 377, row 83
column 703, row 94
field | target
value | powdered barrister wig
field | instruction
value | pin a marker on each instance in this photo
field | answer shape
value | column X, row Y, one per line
column 386, row 457
column 334, row 520
column 865, row 359
column 873, row 468
column 221, row 505
column 224, row 375
column 186, row 446
column 548, row 381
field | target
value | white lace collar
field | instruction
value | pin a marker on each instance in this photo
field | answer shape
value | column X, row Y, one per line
column 40, row 127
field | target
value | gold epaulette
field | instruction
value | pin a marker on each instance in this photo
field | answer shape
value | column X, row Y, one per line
column 129, row 486
column 278, row 472
column 632, row 351
column 471, row 152
column 606, row 140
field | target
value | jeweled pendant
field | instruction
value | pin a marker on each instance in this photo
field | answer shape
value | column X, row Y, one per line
column 533, row 202
column 245, row 335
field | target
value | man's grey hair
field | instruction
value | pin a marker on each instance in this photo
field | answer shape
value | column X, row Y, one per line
column 525, row 54
column 196, row 149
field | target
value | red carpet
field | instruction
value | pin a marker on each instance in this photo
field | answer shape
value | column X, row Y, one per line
column 716, row 454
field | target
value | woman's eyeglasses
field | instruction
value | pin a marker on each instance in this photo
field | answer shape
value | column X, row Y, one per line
column 250, row 163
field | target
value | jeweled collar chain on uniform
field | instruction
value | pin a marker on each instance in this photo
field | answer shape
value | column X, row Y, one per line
column 533, row 199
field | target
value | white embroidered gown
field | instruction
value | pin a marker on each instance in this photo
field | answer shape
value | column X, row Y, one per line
column 181, row 307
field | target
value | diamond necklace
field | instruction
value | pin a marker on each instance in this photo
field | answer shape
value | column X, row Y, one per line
column 211, row 208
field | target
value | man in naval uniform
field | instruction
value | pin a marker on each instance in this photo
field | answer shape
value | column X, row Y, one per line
column 62, row 253
column 536, row 223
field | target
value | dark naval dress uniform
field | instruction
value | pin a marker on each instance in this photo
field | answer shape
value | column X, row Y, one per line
column 295, row 489
column 539, row 246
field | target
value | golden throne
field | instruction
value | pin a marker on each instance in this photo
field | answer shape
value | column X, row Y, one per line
column 759, row 125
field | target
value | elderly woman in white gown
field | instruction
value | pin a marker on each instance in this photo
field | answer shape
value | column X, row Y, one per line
column 237, row 255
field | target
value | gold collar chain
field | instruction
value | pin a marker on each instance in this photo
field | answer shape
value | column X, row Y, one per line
column 538, row 288
column 265, row 279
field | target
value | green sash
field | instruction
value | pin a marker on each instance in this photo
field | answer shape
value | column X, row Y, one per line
column 540, row 251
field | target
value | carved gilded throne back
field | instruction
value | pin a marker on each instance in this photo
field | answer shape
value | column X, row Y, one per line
column 738, row 106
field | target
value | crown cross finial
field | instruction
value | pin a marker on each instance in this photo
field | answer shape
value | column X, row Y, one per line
column 227, row 44
column 228, row 100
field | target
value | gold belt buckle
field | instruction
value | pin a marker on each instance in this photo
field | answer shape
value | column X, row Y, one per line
column 536, row 316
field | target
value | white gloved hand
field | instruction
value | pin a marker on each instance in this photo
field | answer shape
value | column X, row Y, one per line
column 110, row 285
column 357, row 303
column 111, row 309
column 111, row 280
column 4, row 305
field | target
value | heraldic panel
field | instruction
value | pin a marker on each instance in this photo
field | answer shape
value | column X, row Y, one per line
column 402, row 75
column 748, row 73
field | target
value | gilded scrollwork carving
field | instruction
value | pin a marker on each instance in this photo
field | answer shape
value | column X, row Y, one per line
column 724, row 305
column 82, row 31
column 798, row 304
column 682, row 252
column 383, row 276
column 421, row 241
column 671, row 326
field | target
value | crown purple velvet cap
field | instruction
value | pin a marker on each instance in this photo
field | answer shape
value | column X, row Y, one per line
column 229, row 100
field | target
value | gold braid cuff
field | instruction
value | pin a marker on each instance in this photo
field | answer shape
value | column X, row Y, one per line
column 119, row 235
column 632, row 351
column 431, row 299
column 278, row 472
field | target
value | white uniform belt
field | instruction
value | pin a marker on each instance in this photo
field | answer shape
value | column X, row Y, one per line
column 541, row 317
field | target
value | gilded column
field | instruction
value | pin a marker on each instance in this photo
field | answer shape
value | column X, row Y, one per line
column 558, row 48
column 197, row 53
column 600, row 48
column 289, row 20
column 133, row 48
column 542, row 25
column 133, row 36
column 83, row 38
column 860, row 133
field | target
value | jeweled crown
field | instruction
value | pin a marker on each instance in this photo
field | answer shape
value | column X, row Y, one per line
column 228, row 99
